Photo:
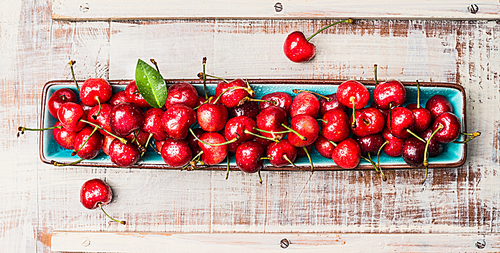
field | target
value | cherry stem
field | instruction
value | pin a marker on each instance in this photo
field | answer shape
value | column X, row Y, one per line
column 384, row 178
column 98, row 111
column 272, row 132
column 88, row 138
column 369, row 159
column 330, row 25
column 204, row 62
column 375, row 73
column 418, row 94
column 193, row 161
column 296, row 91
column 206, row 102
column 154, row 148
column 425, row 163
column 246, row 99
column 322, row 120
column 155, row 63
column 21, row 129
column 229, row 89
column 67, row 164
column 303, row 138
column 415, row 135
column 215, row 144
column 200, row 75
column 353, row 124
column 378, row 153
column 260, row 177
column 290, row 161
column 113, row 219
column 71, row 63
column 470, row 138
column 426, row 172
column 146, row 145
column 123, row 140
column 260, row 136
column 309, row 157
column 227, row 171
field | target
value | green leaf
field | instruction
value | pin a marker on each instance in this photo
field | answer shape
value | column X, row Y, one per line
column 150, row 84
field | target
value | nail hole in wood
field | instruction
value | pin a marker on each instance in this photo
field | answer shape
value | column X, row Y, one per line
column 278, row 7
column 481, row 244
column 473, row 8
column 84, row 7
column 284, row 243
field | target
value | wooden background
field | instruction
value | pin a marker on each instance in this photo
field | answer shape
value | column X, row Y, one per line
column 201, row 211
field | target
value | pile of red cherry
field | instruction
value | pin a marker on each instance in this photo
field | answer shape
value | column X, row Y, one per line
column 276, row 128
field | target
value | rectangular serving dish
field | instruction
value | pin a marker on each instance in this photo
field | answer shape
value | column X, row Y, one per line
column 454, row 155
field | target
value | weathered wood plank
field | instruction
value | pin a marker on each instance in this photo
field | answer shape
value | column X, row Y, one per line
column 161, row 9
column 251, row 242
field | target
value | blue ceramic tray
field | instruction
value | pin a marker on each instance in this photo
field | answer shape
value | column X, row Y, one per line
column 454, row 155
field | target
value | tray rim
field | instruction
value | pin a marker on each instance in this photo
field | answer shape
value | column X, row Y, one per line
column 333, row 167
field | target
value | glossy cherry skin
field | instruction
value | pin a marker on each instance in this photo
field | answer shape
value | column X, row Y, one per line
column 70, row 114
column 107, row 142
column 153, row 123
column 95, row 191
column 324, row 147
column 270, row 119
column 182, row 93
column 249, row 109
column 212, row 117
column 305, row 103
column 413, row 152
column 177, row 120
column 423, row 119
column 368, row 121
column 59, row 97
column 91, row 148
column 435, row 147
column 438, row 104
column 327, row 105
column 399, row 121
column 389, row 94
column 276, row 152
column 94, row 89
column 101, row 117
column 134, row 96
column 394, row 147
column 213, row 155
column 370, row 143
column 126, row 118
column 248, row 156
column 176, row 153
column 63, row 137
column 335, row 125
column 193, row 142
column 118, row 97
column 306, row 126
column 235, row 128
column 451, row 127
column 347, row 154
column 297, row 48
column 123, row 155
column 232, row 93
column 282, row 99
column 353, row 91
column 138, row 137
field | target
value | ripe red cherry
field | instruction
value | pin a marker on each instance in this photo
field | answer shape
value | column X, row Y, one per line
column 176, row 153
column 153, row 123
column 87, row 144
column 63, row 137
column 438, row 104
column 134, row 96
column 123, row 155
column 297, row 48
column 177, row 120
column 70, row 115
column 389, row 94
column 248, row 156
column 100, row 116
column 394, row 146
column 450, row 125
column 193, row 142
column 327, row 105
column 307, row 127
column 423, row 119
column 94, row 91
column 353, row 93
column 239, row 127
column 107, row 142
column 401, row 121
column 96, row 193
column 335, row 125
column 305, row 103
column 369, row 121
column 281, row 153
column 59, row 97
column 118, row 98
column 347, row 154
column 213, row 155
column 413, row 152
column 212, row 117
column 126, row 118
column 271, row 119
column 324, row 147
column 233, row 93
column 282, row 99
column 182, row 93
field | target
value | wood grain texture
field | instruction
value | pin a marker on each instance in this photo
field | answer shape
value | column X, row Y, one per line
column 38, row 199
column 198, row 9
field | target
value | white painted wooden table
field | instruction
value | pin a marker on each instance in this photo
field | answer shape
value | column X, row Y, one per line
column 439, row 41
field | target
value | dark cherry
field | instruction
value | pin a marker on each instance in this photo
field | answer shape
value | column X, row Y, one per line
column 176, row 153
column 413, row 152
column 437, row 105
column 248, row 156
column 324, row 146
column 327, row 105
column 134, row 96
column 59, row 97
column 370, row 143
column 302, row 153
column 193, row 142
column 435, row 148
column 249, row 109
column 95, row 91
column 123, row 155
